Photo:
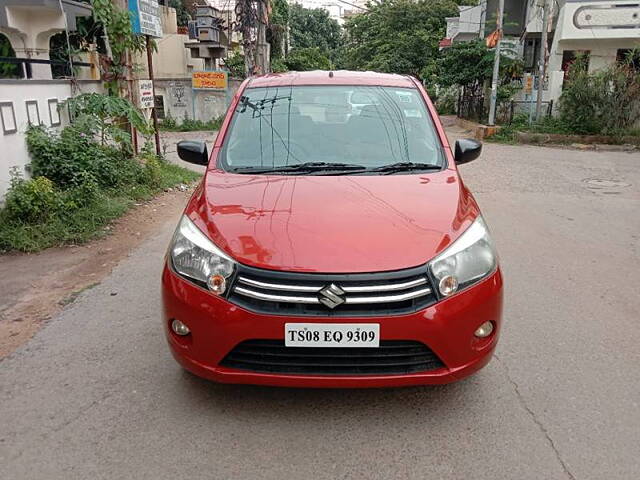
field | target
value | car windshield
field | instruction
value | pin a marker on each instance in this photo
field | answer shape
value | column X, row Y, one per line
column 307, row 128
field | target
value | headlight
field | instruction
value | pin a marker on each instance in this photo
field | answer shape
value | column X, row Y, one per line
column 466, row 261
column 196, row 257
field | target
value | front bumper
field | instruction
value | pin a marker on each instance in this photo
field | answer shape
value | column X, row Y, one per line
column 217, row 326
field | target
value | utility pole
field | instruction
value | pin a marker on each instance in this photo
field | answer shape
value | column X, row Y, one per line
column 245, row 22
column 262, row 47
column 154, row 114
column 251, row 21
column 496, row 66
column 542, row 62
column 130, row 96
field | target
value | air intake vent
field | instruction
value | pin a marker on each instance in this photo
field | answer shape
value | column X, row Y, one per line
column 392, row 357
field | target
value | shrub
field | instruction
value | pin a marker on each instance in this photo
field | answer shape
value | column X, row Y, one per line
column 31, row 201
column 85, row 191
column 152, row 173
column 446, row 100
column 83, row 178
column 66, row 158
column 79, row 213
column 278, row 65
column 168, row 122
column 192, row 125
column 605, row 102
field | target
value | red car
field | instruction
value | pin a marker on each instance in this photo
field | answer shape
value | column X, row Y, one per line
column 332, row 242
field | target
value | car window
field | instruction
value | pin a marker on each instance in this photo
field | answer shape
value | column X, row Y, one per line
column 368, row 126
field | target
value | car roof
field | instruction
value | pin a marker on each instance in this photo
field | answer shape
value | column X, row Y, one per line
column 336, row 77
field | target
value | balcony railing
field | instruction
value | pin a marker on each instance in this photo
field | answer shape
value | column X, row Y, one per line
column 25, row 64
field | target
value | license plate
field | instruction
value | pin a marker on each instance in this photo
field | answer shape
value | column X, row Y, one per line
column 332, row 334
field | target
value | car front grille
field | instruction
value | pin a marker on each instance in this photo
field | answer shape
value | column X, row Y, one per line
column 392, row 357
column 343, row 295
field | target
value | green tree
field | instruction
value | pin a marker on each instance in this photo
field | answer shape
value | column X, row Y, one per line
column 235, row 63
column 399, row 36
column 278, row 26
column 469, row 64
column 104, row 116
column 464, row 63
column 301, row 59
column 310, row 28
column 117, row 22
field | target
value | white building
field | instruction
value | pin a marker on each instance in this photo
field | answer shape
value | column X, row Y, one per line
column 34, row 99
column 468, row 25
column 29, row 33
column 337, row 9
column 477, row 21
column 603, row 30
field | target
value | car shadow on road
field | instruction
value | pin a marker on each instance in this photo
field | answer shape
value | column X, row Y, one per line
column 247, row 400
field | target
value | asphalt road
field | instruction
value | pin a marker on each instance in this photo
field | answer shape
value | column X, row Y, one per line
column 96, row 394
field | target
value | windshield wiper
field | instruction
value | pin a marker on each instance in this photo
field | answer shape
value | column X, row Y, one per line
column 405, row 166
column 302, row 167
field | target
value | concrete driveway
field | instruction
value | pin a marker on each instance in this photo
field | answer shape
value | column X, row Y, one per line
column 96, row 394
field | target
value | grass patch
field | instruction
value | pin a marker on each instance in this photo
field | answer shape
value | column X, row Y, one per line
column 86, row 222
column 169, row 124
column 507, row 133
column 172, row 174
column 550, row 125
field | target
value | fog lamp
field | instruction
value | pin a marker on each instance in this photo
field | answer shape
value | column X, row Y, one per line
column 448, row 285
column 484, row 330
column 217, row 284
column 180, row 328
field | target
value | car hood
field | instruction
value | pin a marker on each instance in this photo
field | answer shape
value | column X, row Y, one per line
column 333, row 224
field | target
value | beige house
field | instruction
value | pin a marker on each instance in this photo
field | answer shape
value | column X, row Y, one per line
column 172, row 58
column 174, row 62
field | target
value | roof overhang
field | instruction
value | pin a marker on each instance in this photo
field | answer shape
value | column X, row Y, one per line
column 71, row 8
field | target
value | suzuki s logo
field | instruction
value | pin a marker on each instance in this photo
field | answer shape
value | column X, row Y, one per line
column 331, row 296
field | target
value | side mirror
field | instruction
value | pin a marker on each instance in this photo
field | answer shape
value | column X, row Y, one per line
column 467, row 150
column 193, row 151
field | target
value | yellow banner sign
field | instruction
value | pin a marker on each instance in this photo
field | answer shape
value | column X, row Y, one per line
column 209, row 80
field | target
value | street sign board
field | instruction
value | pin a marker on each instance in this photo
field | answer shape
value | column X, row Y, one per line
column 145, row 18
column 145, row 93
column 209, row 80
